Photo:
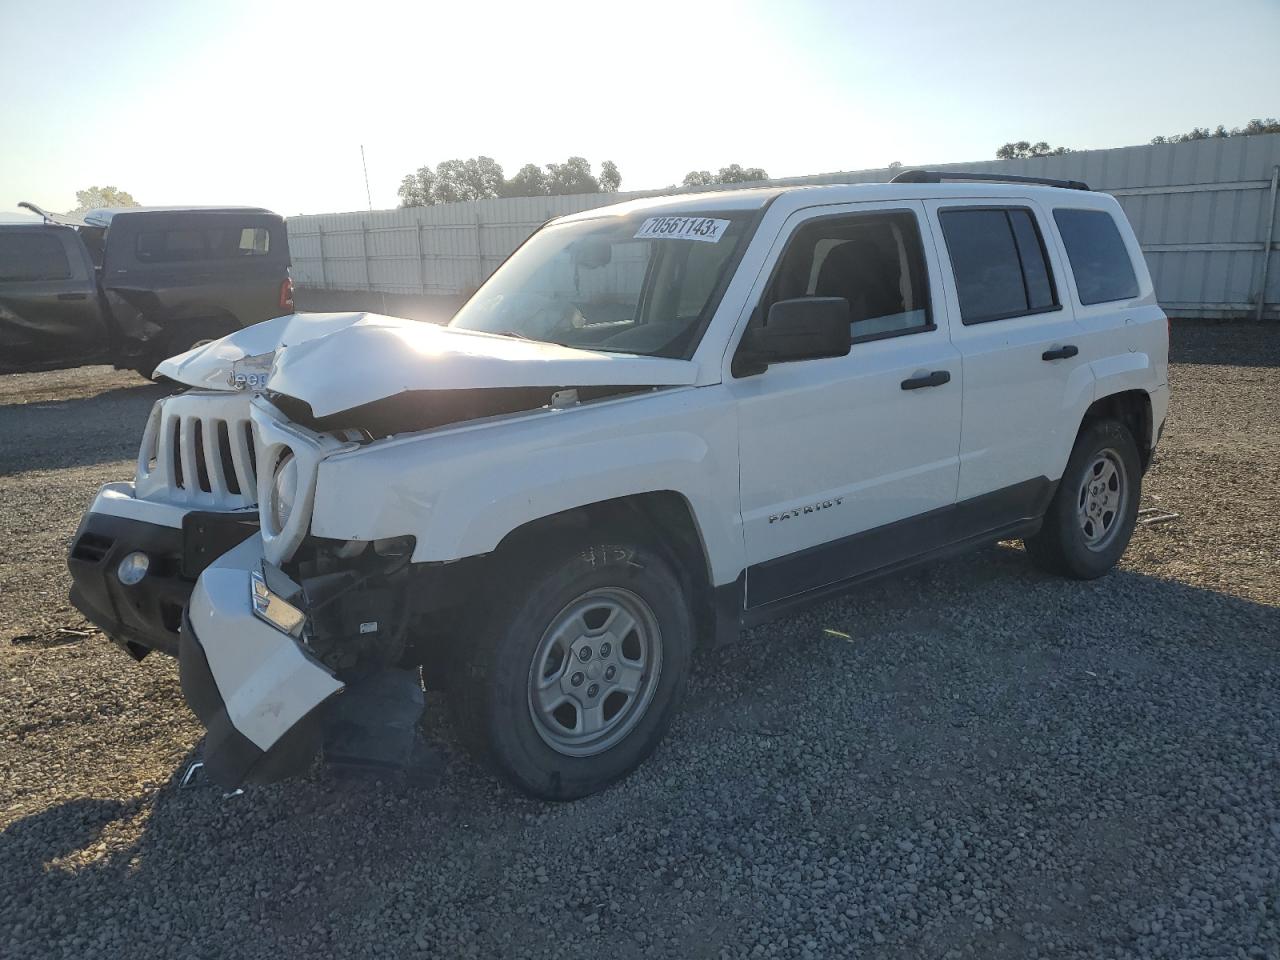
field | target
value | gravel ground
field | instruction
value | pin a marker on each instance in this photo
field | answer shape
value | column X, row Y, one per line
column 977, row 760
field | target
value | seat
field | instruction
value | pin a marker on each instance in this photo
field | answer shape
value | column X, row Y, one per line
column 857, row 271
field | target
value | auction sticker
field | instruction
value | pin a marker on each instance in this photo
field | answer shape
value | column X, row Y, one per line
column 705, row 229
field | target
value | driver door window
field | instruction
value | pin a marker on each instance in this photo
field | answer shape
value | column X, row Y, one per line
column 875, row 261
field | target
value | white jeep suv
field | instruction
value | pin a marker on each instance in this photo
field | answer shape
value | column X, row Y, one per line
column 657, row 423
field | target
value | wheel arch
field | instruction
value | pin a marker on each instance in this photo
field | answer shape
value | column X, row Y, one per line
column 1131, row 408
column 663, row 520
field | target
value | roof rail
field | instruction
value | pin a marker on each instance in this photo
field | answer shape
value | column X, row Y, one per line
column 52, row 218
column 938, row 176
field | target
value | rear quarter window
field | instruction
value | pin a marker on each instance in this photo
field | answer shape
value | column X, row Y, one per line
column 1099, row 259
column 27, row 256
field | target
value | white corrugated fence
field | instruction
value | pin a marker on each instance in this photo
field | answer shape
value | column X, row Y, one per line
column 1204, row 212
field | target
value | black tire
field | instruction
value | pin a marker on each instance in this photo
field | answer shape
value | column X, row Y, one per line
column 492, row 691
column 1063, row 544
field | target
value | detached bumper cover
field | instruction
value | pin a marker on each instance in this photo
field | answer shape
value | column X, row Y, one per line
column 255, row 689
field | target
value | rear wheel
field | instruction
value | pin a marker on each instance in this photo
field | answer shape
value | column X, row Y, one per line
column 1088, row 525
column 579, row 669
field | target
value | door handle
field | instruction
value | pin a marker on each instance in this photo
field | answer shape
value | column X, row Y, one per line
column 935, row 379
column 1060, row 353
column 73, row 296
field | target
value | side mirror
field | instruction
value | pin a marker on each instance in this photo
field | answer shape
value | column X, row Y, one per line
column 807, row 328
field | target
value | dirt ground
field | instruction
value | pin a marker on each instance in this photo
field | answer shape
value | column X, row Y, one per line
column 974, row 760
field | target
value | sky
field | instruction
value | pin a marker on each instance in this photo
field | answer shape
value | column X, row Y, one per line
column 268, row 102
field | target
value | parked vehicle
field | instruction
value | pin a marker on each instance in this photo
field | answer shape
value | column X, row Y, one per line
column 135, row 285
column 658, row 423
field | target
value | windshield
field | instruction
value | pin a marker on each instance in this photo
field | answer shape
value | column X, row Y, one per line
column 644, row 285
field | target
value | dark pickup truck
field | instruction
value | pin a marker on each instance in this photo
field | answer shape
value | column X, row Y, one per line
column 133, row 286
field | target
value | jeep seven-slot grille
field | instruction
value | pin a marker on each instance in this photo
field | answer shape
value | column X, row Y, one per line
column 205, row 459
column 198, row 450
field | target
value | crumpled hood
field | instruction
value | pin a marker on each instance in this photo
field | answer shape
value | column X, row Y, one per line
column 337, row 361
column 213, row 366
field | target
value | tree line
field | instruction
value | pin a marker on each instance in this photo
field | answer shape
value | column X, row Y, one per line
column 1251, row 129
column 733, row 173
column 1022, row 149
column 482, row 178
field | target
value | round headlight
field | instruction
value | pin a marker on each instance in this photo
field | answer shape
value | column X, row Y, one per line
column 133, row 568
column 284, row 488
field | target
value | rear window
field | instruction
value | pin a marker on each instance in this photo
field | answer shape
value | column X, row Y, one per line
column 1099, row 259
column 27, row 255
column 998, row 258
column 217, row 243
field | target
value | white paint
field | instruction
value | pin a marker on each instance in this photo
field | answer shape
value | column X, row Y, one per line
column 211, row 367
column 844, row 428
column 740, row 451
column 839, row 433
column 263, row 676
column 378, row 357
column 335, row 362
column 460, row 490
column 1021, row 412
column 173, row 448
column 120, row 500
column 276, row 437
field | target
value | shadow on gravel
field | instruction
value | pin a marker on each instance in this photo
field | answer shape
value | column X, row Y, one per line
column 976, row 725
column 1228, row 343
column 57, row 434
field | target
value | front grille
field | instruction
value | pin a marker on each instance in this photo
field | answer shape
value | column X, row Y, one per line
column 198, row 450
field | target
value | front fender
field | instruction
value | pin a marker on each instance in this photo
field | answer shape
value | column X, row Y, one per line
column 460, row 492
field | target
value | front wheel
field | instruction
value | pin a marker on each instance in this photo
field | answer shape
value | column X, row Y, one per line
column 1088, row 525
column 581, row 666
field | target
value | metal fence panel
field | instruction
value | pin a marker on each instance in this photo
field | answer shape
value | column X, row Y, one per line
column 1203, row 212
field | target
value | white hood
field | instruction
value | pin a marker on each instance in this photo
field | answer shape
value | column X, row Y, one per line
column 337, row 361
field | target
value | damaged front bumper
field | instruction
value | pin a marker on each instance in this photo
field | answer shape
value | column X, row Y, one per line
column 145, row 614
column 256, row 689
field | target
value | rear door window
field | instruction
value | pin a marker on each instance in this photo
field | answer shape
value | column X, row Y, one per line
column 28, row 255
column 1099, row 259
column 230, row 242
column 170, row 246
column 999, row 262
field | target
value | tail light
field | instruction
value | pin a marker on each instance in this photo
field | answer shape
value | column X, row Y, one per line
column 286, row 294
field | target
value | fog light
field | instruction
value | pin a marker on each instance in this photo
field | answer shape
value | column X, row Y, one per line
column 133, row 568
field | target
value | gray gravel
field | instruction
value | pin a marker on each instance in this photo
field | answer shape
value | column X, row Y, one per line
column 992, row 762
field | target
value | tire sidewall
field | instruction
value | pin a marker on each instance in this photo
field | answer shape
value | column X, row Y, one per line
column 185, row 334
column 1082, row 561
column 514, row 742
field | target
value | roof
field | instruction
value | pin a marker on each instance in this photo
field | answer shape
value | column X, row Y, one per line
column 817, row 194
column 102, row 217
column 728, row 200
